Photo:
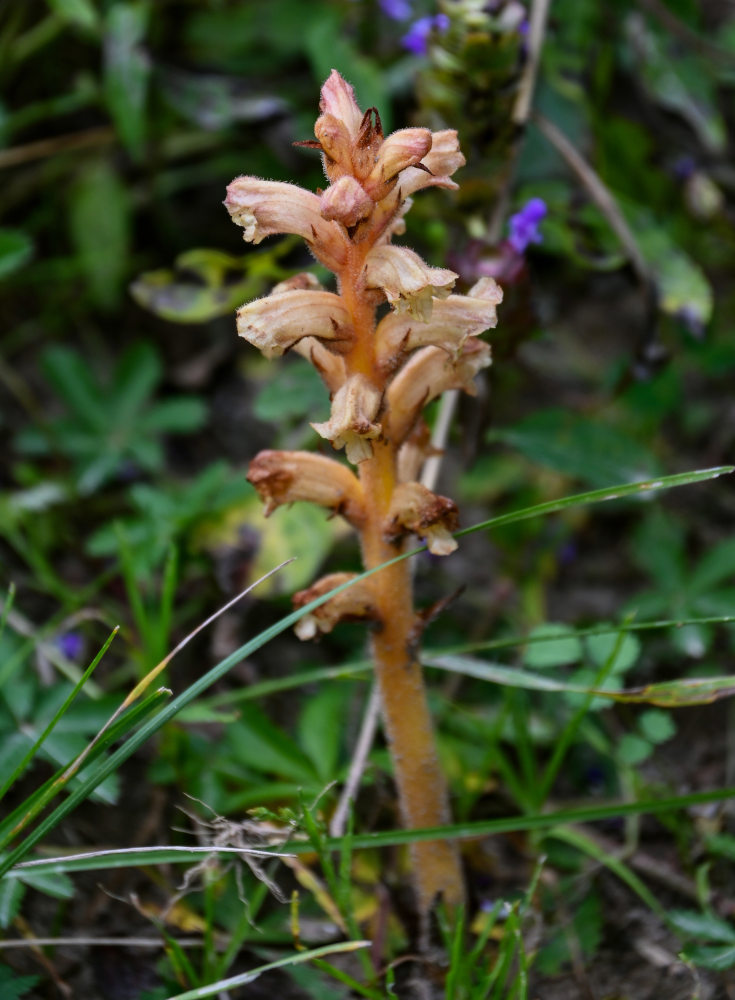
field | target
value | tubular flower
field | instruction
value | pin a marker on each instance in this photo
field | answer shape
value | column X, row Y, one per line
column 427, row 374
column 354, row 604
column 264, row 208
column 352, row 424
column 282, row 477
column 275, row 323
column 433, row 518
column 452, row 321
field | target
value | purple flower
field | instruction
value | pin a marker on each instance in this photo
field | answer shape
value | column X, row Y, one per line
column 416, row 39
column 397, row 10
column 70, row 645
column 524, row 225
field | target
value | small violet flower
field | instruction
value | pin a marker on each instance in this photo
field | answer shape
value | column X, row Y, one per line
column 416, row 39
column 396, row 10
column 70, row 645
column 524, row 225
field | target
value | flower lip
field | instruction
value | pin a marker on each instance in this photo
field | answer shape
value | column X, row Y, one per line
column 406, row 280
column 352, row 604
column 352, row 424
column 414, row 508
column 284, row 477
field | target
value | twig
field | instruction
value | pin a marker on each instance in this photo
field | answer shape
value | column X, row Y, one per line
column 599, row 193
column 58, row 144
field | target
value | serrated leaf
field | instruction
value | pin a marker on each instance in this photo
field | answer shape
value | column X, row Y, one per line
column 16, row 249
column 11, row 896
column 14, row 987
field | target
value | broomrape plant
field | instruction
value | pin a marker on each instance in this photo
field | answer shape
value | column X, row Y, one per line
column 380, row 377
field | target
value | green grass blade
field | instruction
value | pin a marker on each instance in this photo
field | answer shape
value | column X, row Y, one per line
column 598, row 496
column 10, row 780
column 212, row 989
column 681, row 693
column 515, row 824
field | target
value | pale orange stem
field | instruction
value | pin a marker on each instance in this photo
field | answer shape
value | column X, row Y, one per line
column 422, row 787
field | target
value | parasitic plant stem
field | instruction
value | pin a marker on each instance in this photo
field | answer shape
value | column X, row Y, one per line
column 380, row 376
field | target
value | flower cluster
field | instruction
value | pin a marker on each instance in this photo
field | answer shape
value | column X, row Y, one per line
column 380, row 376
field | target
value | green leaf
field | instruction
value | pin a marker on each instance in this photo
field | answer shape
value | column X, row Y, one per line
column 625, row 650
column 79, row 12
column 633, row 749
column 11, row 896
column 175, row 416
column 670, row 694
column 256, row 743
column 321, row 727
column 657, row 726
column 716, row 566
column 99, row 223
column 552, row 646
column 294, row 392
column 127, row 69
column 174, row 298
column 14, row 987
column 16, row 249
column 694, row 924
column 716, row 958
column 587, row 449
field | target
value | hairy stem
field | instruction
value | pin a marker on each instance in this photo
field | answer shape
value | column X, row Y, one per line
column 422, row 788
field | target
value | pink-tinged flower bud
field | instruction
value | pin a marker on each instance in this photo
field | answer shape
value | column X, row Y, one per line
column 331, row 366
column 354, row 604
column 426, row 375
column 452, row 321
column 352, row 423
column 408, row 282
column 336, row 144
column 282, row 477
column 433, row 518
column 275, row 323
column 345, row 201
column 338, row 99
column 400, row 150
column 441, row 161
column 264, row 208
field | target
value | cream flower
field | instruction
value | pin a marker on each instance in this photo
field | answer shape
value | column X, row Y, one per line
column 275, row 323
column 264, row 208
column 429, row 373
column 352, row 423
column 283, row 477
column 401, row 150
column 452, row 321
column 408, row 282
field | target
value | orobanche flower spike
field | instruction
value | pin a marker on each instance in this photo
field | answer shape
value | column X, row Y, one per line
column 380, row 376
